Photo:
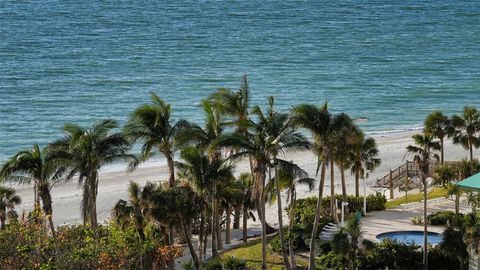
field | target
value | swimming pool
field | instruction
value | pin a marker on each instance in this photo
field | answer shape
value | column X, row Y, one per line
column 411, row 236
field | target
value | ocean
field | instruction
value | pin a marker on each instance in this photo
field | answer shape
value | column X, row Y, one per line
column 392, row 62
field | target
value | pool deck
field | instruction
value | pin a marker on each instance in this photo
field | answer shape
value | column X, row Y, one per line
column 398, row 219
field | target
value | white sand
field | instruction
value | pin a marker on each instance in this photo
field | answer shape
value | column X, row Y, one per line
column 113, row 185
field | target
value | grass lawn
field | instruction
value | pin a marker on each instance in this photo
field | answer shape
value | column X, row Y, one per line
column 252, row 253
column 417, row 197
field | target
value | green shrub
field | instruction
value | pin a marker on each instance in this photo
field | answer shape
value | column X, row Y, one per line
column 228, row 263
column 305, row 208
column 441, row 218
column 416, row 220
column 322, row 247
column 26, row 244
column 331, row 261
column 390, row 254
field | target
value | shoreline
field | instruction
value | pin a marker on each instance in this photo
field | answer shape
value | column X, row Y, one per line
column 113, row 184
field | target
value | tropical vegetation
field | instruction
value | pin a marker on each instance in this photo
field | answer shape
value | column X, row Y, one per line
column 205, row 192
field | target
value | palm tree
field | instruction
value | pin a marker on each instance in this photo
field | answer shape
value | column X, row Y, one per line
column 234, row 104
column 8, row 200
column 363, row 158
column 82, row 152
column 345, row 141
column 346, row 241
column 208, row 177
column 438, row 126
column 453, row 245
column 151, row 125
column 467, row 127
column 32, row 166
column 269, row 137
column 202, row 139
column 178, row 205
column 423, row 153
column 445, row 175
column 136, row 209
column 323, row 126
column 289, row 177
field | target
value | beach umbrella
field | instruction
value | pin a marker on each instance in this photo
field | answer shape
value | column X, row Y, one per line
column 472, row 183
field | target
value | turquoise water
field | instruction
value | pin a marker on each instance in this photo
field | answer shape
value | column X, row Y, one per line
column 80, row 61
column 415, row 237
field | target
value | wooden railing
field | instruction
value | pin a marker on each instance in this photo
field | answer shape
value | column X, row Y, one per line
column 409, row 169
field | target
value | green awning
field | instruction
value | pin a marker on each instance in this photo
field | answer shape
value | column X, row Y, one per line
column 471, row 183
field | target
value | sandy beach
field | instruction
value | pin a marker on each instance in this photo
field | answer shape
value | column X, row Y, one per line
column 113, row 184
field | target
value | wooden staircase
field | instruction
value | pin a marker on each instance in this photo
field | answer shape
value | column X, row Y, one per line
column 396, row 177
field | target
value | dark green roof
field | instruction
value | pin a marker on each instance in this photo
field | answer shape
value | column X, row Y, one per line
column 471, row 183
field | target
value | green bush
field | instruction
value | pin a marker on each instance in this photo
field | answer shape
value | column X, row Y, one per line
column 228, row 263
column 322, row 247
column 441, row 218
column 27, row 244
column 305, row 208
column 331, row 261
column 390, row 254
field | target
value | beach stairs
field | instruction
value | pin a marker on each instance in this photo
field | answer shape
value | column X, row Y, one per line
column 397, row 178
column 328, row 231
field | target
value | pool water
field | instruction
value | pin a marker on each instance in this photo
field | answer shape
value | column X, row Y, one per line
column 411, row 236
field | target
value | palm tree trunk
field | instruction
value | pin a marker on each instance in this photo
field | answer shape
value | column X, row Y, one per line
column 425, row 231
column 171, row 169
column 46, row 197
column 280, row 216
column 333, row 204
column 218, row 226
column 311, row 258
column 290, row 227
column 357, row 183
column 227, row 225
column 52, row 226
column 470, row 146
column 189, row 243
column 261, row 177
column 457, row 203
column 441, row 151
column 344, row 185
column 3, row 217
column 93, row 212
column 214, row 230
column 245, row 221
column 236, row 219
column 201, row 235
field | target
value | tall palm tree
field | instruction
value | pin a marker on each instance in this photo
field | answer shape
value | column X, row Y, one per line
column 363, row 158
column 235, row 104
column 467, row 127
column 202, row 138
column 439, row 126
column 263, row 145
column 32, row 166
column 445, row 175
column 135, row 210
column 323, row 126
column 82, row 152
column 8, row 200
column 346, row 241
column 151, row 125
column 423, row 152
column 179, row 206
column 289, row 177
column 208, row 177
column 345, row 141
